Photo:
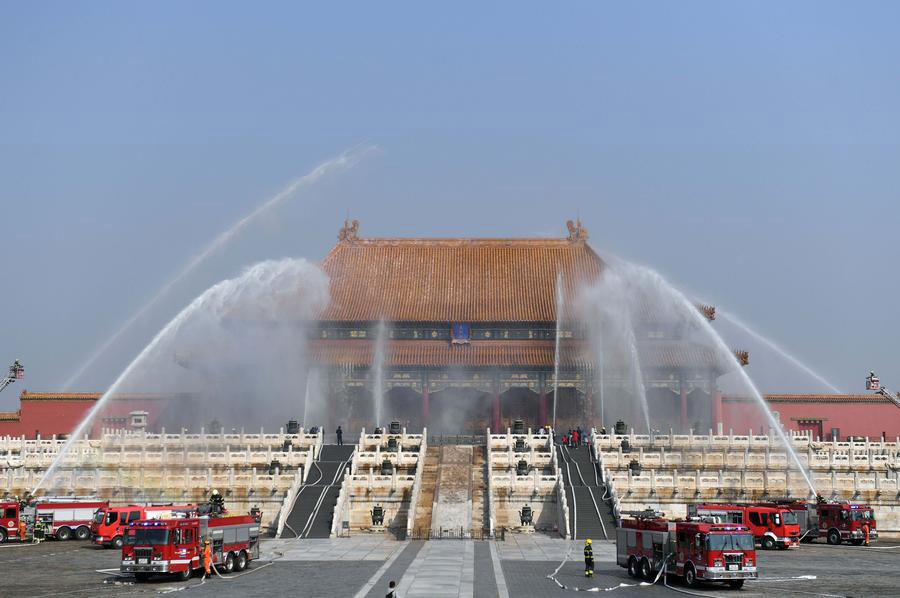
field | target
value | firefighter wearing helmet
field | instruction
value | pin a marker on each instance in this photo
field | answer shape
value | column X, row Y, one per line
column 588, row 558
column 216, row 503
column 207, row 556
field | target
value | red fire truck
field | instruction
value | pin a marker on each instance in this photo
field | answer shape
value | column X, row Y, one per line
column 175, row 546
column 837, row 521
column 108, row 527
column 697, row 550
column 63, row 519
column 771, row 526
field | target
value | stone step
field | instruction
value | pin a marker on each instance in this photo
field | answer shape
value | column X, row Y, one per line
column 426, row 492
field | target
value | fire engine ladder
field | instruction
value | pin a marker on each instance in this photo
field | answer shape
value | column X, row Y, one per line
column 584, row 493
column 16, row 372
column 313, row 508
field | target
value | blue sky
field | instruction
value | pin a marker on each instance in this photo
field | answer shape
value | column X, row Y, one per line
column 747, row 151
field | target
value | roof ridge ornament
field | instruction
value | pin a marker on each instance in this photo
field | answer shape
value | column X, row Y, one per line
column 348, row 232
column 577, row 233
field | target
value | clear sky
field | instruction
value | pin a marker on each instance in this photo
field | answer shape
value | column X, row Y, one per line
column 749, row 151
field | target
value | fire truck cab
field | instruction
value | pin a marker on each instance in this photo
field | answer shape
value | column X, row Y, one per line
column 699, row 550
column 9, row 521
column 175, row 546
column 771, row 526
column 108, row 526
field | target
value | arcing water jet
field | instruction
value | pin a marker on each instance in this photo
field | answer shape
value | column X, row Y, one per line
column 771, row 344
column 345, row 160
column 698, row 320
column 378, row 371
column 559, row 310
column 287, row 290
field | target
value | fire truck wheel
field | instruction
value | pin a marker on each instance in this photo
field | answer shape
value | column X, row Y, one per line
column 63, row 533
column 768, row 543
column 690, row 576
column 834, row 537
column 632, row 567
column 183, row 575
column 141, row 577
column 736, row 584
column 241, row 561
column 117, row 542
column 82, row 533
column 2, row 536
column 646, row 571
column 229, row 562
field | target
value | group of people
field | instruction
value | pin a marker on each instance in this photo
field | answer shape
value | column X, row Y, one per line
column 573, row 438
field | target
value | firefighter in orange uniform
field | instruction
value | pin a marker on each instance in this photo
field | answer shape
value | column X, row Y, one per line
column 207, row 557
column 23, row 529
column 866, row 532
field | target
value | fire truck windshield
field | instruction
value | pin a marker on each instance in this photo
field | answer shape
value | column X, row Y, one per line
column 154, row 537
column 861, row 515
column 730, row 542
column 98, row 516
column 790, row 518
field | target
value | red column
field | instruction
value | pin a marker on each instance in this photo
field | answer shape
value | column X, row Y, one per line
column 716, row 408
column 495, row 419
column 542, row 408
column 682, row 388
column 425, row 405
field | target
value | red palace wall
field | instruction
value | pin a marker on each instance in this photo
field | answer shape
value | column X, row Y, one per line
column 46, row 418
column 853, row 417
column 50, row 416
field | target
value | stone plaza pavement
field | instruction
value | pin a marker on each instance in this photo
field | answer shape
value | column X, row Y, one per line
column 445, row 568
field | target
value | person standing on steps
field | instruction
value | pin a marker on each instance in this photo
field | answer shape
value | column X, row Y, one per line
column 340, row 436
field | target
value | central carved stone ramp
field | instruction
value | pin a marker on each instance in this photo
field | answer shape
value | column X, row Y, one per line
column 425, row 503
column 452, row 510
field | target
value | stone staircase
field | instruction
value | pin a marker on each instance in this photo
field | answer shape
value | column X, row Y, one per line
column 589, row 515
column 426, row 493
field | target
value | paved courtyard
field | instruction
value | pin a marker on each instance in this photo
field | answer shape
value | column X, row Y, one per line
column 361, row 567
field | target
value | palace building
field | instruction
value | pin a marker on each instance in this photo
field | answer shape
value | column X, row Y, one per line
column 468, row 339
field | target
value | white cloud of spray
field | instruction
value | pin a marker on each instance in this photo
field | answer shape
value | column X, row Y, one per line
column 235, row 354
